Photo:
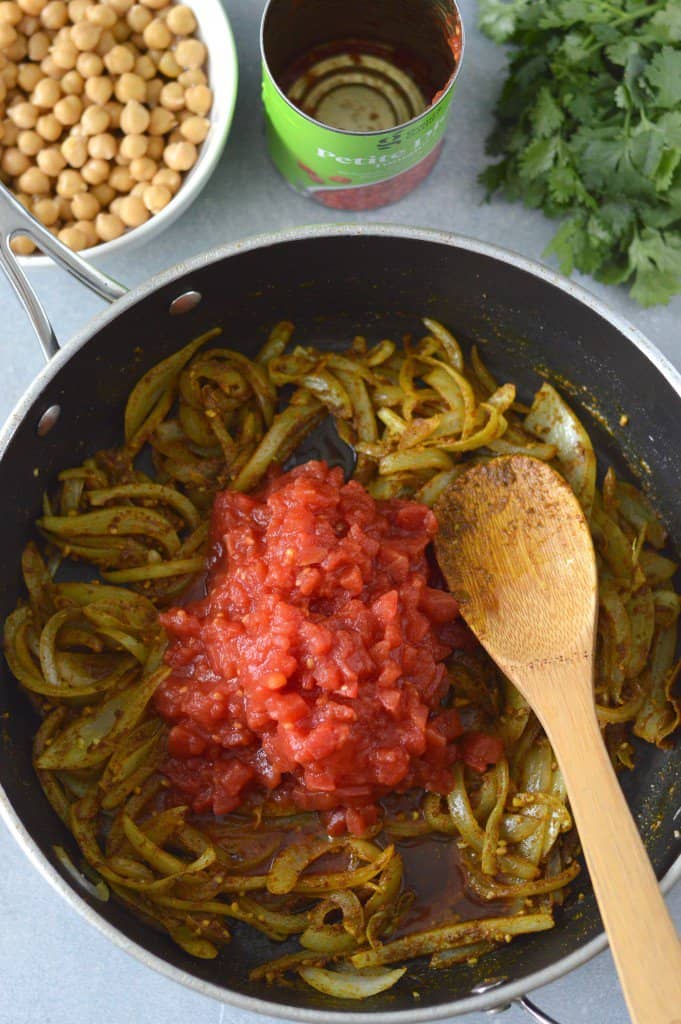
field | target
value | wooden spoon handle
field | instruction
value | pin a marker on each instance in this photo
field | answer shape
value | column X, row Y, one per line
column 643, row 939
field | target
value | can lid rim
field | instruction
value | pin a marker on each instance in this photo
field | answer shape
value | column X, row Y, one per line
column 349, row 132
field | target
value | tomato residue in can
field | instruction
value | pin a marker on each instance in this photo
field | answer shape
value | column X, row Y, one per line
column 313, row 670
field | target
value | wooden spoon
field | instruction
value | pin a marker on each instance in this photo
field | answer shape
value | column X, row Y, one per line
column 516, row 551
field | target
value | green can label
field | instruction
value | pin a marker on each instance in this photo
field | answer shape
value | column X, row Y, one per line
column 357, row 94
column 319, row 160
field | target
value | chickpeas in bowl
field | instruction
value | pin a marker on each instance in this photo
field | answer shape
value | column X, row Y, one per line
column 110, row 118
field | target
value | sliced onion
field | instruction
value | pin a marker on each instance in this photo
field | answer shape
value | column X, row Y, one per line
column 350, row 984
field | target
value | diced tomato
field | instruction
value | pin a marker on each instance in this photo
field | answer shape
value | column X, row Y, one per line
column 313, row 670
column 479, row 750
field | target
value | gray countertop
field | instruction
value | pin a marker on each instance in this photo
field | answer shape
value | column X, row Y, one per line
column 55, row 969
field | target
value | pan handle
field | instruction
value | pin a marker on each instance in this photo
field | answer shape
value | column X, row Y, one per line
column 15, row 220
column 537, row 1015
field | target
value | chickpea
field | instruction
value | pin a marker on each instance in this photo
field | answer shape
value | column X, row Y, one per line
column 106, row 43
column 10, row 13
column 29, row 142
column 73, row 237
column 193, row 76
column 74, row 151
column 181, row 20
column 168, row 66
column 143, row 168
column 14, row 162
column 119, row 59
column 135, row 118
column 95, row 172
column 8, row 35
column 121, row 179
column 145, row 67
column 84, row 206
column 28, row 76
column 47, row 211
column 3, row 90
column 46, row 93
column 89, row 65
column 172, row 96
column 68, row 110
column 102, row 15
column 24, row 115
column 50, row 68
column 98, row 89
column 72, row 83
column 156, row 197
column 138, row 188
column 133, row 147
column 38, row 46
column 195, row 129
column 121, row 32
column 108, row 226
column 133, row 212
column 130, row 87
column 198, row 99
column 10, row 132
column 17, row 50
column 95, row 120
column 65, row 56
column 103, row 146
column 70, row 183
column 103, row 193
column 34, row 181
column 190, row 53
column 154, row 91
column 27, row 26
column 22, row 246
column 32, row 7
column 138, row 18
column 155, row 147
column 85, row 35
column 88, row 229
column 157, row 35
column 9, row 76
column 155, row 5
column 115, row 204
column 161, row 121
column 180, row 156
column 51, row 161
column 165, row 176
column 115, row 110
column 48, row 127
column 121, row 6
column 77, row 8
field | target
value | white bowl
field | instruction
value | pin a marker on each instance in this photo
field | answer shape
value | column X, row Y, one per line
column 223, row 72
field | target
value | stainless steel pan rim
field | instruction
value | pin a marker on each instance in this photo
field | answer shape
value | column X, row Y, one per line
column 499, row 996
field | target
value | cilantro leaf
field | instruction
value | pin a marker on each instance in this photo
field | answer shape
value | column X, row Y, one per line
column 664, row 74
column 588, row 129
column 498, row 18
column 547, row 115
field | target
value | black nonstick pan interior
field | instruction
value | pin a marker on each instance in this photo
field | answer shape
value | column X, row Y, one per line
column 334, row 285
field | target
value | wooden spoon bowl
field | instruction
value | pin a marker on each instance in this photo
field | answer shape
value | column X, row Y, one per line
column 516, row 551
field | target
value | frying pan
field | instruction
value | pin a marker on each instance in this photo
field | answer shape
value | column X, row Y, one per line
column 333, row 282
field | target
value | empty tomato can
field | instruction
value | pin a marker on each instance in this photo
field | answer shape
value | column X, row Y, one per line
column 357, row 93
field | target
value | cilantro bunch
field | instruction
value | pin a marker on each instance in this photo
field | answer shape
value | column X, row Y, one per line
column 588, row 126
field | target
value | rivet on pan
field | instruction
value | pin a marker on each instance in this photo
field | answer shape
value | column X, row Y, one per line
column 184, row 303
column 48, row 420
